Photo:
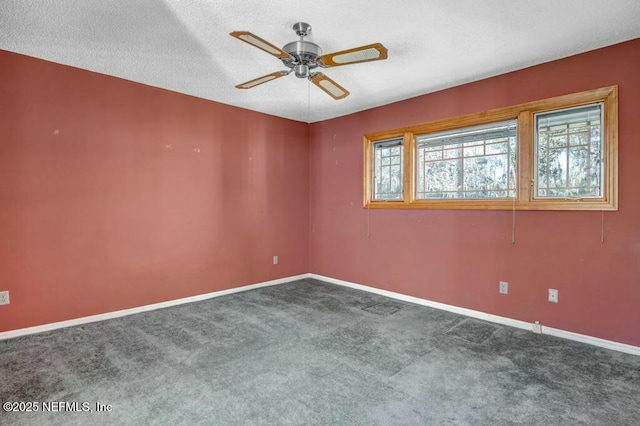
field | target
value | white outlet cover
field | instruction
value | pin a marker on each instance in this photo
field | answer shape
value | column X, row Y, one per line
column 4, row 297
column 275, row 260
column 503, row 287
column 553, row 295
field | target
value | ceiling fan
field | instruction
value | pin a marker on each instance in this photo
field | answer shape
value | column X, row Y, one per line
column 302, row 57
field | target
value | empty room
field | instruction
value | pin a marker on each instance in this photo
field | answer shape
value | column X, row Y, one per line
column 292, row 212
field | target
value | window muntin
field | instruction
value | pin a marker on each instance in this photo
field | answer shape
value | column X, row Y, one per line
column 388, row 159
column 472, row 162
column 569, row 154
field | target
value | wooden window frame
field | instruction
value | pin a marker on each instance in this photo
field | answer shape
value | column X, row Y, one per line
column 524, row 113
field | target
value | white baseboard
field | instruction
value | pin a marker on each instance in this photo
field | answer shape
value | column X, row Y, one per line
column 595, row 341
column 590, row 340
column 116, row 314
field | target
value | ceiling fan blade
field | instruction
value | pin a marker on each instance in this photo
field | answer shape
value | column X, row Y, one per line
column 260, row 43
column 332, row 88
column 370, row 52
column 265, row 78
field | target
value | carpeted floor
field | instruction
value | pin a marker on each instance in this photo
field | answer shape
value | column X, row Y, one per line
column 308, row 352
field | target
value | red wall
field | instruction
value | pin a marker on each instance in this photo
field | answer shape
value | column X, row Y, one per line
column 457, row 257
column 114, row 194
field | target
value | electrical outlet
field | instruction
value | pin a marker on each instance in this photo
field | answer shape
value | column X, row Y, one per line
column 504, row 287
column 536, row 327
column 275, row 260
column 4, row 297
column 553, row 295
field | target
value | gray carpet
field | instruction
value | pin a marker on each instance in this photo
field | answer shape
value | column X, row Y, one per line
column 308, row 352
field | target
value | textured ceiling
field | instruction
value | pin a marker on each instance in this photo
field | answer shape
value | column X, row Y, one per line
column 185, row 46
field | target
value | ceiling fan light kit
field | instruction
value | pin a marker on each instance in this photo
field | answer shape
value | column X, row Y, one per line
column 302, row 57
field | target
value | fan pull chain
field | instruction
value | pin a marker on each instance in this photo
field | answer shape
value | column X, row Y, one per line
column 513, row 222
column 368, row 221
column 308, row 101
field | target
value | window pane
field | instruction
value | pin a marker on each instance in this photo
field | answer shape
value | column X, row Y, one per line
column 472, row 162
column 388, row 170
column 497, row 148
column 568, row 151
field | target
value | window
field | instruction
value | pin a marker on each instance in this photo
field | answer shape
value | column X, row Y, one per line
column 473, row 162
column 568, row 150
column 553, row 154
column 387, row 171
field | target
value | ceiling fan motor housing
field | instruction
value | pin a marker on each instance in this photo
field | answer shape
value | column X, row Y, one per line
column 304, row 53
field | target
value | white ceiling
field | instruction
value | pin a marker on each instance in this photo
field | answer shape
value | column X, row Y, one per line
column 185, row 46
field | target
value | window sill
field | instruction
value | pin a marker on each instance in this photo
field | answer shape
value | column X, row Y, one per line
column 505, row 204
